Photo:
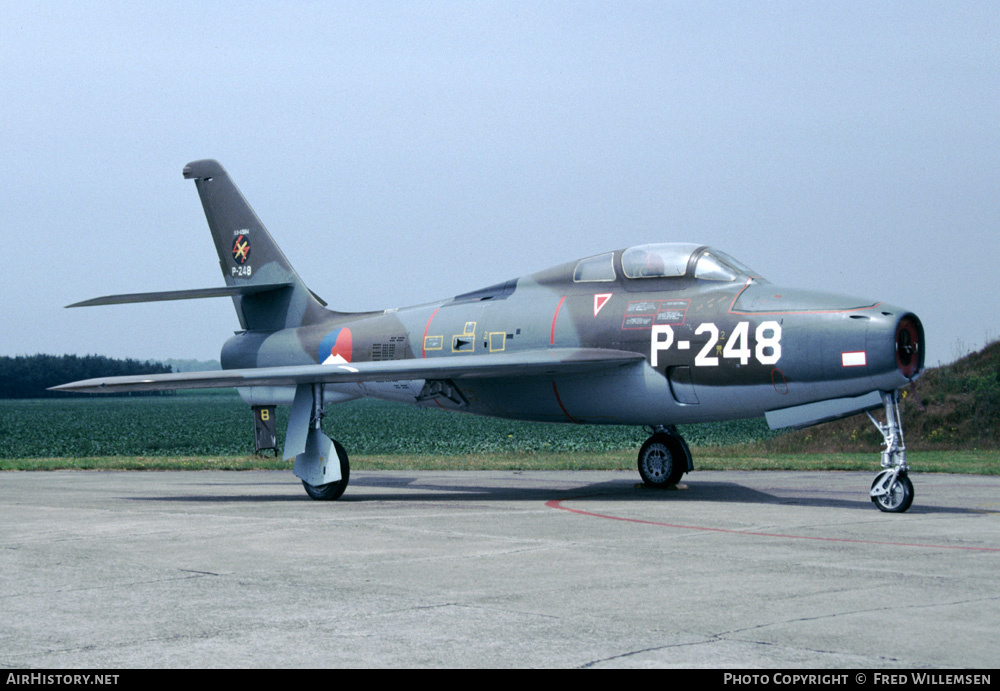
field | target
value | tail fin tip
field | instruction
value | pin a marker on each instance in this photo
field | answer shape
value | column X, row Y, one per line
column 204, row 168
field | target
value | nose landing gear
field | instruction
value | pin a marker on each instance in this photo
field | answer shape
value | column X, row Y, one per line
column 892, row 490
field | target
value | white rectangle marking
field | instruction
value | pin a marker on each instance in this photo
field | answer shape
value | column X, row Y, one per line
column 858, row 358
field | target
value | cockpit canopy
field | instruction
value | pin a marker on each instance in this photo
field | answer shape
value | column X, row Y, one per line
column 663, row 260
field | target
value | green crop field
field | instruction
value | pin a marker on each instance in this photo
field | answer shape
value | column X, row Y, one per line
column 195, row 425
column 216, row 431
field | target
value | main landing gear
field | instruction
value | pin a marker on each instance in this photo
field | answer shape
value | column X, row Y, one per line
column 320, row 462
column 332, row 490
column 664, row 458
column 892, row 490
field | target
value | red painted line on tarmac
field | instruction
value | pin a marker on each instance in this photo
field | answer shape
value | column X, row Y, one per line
column 423, row 350
column 552, row 334
column 557, row 504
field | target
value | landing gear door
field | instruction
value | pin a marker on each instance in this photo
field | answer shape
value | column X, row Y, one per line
column 265, row 435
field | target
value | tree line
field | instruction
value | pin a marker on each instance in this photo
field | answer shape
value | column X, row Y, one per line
column 29, row 376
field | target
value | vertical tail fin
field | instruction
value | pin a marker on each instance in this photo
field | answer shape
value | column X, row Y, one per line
column 249, row 256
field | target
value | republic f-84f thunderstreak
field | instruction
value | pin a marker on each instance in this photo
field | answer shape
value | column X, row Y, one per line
column 654, row 335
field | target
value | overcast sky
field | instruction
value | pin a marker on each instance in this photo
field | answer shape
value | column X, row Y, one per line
column 405, row 152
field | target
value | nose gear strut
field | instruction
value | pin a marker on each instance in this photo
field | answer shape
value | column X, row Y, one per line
column 892, row 490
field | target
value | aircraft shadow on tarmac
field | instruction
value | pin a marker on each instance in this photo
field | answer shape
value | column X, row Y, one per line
column 417, row 489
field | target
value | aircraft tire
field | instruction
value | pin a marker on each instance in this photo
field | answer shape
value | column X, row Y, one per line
column 332, row 491
column 899, row 499
column 662, row 461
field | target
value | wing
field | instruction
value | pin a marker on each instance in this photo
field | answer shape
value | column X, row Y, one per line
column 550, row 362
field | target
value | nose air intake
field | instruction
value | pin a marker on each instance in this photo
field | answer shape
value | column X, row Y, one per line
column 910, row 346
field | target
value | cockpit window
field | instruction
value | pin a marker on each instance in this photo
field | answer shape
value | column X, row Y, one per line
column 657, row 261
column 599, row 268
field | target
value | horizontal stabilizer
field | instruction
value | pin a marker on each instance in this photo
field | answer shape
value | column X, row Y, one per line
column 228, row 291
column 550, row 362
column 811, row 414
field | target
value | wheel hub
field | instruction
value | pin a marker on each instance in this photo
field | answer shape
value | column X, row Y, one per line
column 658, row 461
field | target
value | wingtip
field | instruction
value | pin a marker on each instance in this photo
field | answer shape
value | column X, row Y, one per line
column 82, row 386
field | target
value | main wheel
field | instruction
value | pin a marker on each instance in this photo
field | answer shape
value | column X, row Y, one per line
column 899, row 499
column 332, row 490
column 662, row 461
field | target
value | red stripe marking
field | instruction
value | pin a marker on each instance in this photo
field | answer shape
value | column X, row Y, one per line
column 565, row 412
column 423, row 351
column 557, row 504
column 552, row 334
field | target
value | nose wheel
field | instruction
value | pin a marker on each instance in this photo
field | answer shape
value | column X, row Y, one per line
column 664, row 458
column 892, row 490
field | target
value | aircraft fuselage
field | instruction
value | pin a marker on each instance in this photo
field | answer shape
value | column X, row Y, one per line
column 713, row 350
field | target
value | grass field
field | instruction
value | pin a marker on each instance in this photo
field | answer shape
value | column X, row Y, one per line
column 216, row 432
column 711, row 458
column 222, row 425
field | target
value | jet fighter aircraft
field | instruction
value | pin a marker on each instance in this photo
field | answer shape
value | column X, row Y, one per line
column 654, row 335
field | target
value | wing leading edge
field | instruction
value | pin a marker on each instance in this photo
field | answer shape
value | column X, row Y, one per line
column 551, row 362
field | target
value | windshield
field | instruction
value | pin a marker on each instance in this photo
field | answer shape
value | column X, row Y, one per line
column 717, row 266
column 736, row 264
